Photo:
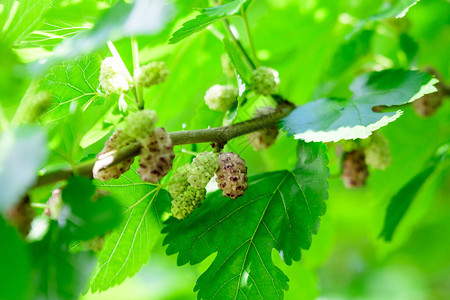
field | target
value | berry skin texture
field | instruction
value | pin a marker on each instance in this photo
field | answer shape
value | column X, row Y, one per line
column 263, row 139
column 139, row 125
column 354, row 169
column 156, row 156
column 221, row 97
column 265, row 81
column 178, row 181
column 378, row 154
column 202, row 169
column 187, row 202
column 151, row 74
column 111, row 78
column 118, row 140
column 232, row 175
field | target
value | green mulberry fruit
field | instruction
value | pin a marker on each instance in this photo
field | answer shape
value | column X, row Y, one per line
column 118, row 140
column 354, row 169
column 112, row 80
column 139, row 125
column 202, row 169
column 221, row 97
column 262, row 139
column 178, row 182
column 151, row 74
column 265, row 81
column 232, row 175
column 378, row 154
column 156, row 156
column 187, row 202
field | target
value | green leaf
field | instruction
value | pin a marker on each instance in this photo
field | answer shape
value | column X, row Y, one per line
column 22, row 153
column 206, row 17
column 336, row 119
column 128, row 247
column 19, row 18
column 88, row 217
column 399, row 204
column 279, row 210
column 57, row 273
column 398, row 10
column 15, row 268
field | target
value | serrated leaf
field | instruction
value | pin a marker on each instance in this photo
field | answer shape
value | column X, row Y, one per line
column 279, row 210
column 88, row 217
column 207, row 16
column 14, row 262
column 336, row 119
column 399, row 204
column 22, row 153
column 128, row 247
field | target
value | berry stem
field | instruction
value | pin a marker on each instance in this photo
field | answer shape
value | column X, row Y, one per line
column 247, row 57
column 249, row 37
column 217, row 135
column 136, row 65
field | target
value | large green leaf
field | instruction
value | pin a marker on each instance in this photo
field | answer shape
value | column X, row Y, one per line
column 22, row 153
column 15, row 268
column 399, row 204
column 206, row 17
column 128, row 247
column 336, row 119
column 279, row 210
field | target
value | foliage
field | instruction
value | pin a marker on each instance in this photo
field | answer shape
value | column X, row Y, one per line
column 346, row 69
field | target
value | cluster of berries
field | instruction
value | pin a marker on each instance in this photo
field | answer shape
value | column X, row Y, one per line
column 188, row 182
column 156, row 154
column 114, row 78
column 359, row 154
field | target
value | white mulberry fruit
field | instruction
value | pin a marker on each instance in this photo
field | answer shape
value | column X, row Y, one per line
column 221, row 97
column 265, row 81
column 151, row 74
column 202, row 169
column 378, row 154
column 187, row 202
column 178, row 182
column 264, row 138
column 354, row 169
column 118, row 140
column 139, row 125
column 156, row 156
column 232, row 175
column 112, row 80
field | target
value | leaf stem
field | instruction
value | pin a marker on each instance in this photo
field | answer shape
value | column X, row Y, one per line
column 136, row 65
column 219, row 135
column 247, row 57
column 249, row 37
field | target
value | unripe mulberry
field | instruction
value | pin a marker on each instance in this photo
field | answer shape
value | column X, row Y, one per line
column 202, row 169
column 354, row 169
column 112, row 80
column 156, row 156
column 35, row 107
column 232, row 175
column 378, row 154
column 179, row 181
column 265, row 81
column 262, row 139
column 140, row 124
column 429, row 103
column 151, row 74
column 226, row 66
column 118, row 140
column 221, row 97
column 187, row 202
